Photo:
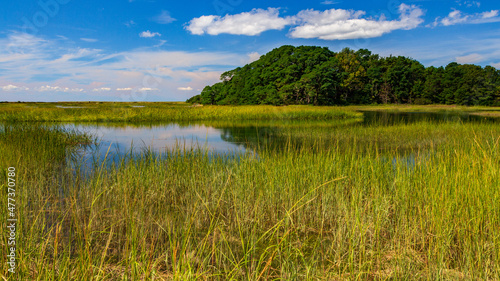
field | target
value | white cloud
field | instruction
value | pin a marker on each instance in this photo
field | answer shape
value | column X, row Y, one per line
column 24, row 41
column 201, row 25
column 458, row 17
column 104, row 89
column 185, row 89
column 490, row 14
column 13, row 88
column 164, row 18
column 338, row 24
column 149, row 34
column 9, row 88
column 249, row 23
column 52, row 68
column 334, row 24
column 472, row 58
column 253, row 57
column 124, row 89
column 48, row 88
column 496, row 65
column 90, row 40
column 454, row 17
column 76, row 54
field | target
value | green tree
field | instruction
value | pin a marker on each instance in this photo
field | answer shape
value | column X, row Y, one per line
column 315, row 75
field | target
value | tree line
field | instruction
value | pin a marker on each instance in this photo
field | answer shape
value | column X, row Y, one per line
column 318, row 76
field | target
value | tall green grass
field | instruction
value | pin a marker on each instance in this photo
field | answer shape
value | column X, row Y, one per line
column 347, row 204
column 35, row 144
column 39, row 154
column 155, row 112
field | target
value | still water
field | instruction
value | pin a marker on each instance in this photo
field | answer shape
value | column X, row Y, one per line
column 384, row 118
column 226, row 138
column 128, row 138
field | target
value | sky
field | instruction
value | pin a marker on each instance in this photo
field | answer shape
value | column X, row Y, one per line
column 157, row 50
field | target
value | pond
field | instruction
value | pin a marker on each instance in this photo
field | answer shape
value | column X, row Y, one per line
column 231, row 138
column 120, row 139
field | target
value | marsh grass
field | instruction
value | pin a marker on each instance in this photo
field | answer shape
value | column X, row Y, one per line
column 34, row 144
column 155, row 112
column 39, row 154
column 331, row 204
column 423, row 108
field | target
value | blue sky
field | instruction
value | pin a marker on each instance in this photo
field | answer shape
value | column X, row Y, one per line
column 152, row 50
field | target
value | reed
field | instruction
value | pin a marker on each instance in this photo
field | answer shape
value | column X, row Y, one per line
column 156, row 112
column 416, row 201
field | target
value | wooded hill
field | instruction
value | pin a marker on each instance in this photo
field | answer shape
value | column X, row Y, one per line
column 318, row 76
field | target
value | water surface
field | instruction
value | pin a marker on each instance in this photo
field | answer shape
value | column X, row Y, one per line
column 386, row 118
column 233, row 138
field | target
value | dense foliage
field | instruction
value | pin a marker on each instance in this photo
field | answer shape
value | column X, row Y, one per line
column 318, row 76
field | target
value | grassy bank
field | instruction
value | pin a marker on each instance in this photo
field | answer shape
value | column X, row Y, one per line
column 407, row 202
column 179, row 111
column 156, row 112
column 426, row 108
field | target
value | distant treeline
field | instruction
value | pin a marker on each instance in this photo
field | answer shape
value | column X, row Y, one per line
column 318, row 76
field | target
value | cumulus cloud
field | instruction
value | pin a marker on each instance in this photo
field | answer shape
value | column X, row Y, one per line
column 338, row 24
column 13, row 88
column 458, row 17
column 164, row 18
column 124, row 89
column 48, row 88
column 104, row 89
column 149, row 34
column 455, row 17
column 248, row 23
column 185, row 89
column 9, row 88
column 490, row 14
column 333, row 24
